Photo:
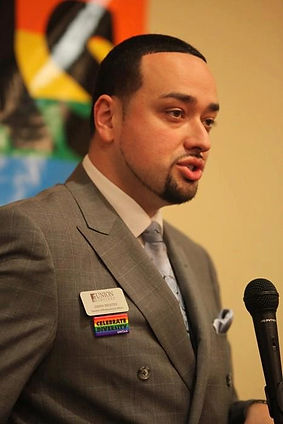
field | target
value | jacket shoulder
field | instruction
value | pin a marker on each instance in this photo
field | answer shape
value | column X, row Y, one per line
column 48, row 204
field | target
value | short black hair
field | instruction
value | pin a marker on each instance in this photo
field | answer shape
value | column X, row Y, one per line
column 119, row 72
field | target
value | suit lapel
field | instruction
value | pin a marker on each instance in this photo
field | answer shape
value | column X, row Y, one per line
column 130, row 266
column 196, row 310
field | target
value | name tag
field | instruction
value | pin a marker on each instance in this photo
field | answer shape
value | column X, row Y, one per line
column 103, row 302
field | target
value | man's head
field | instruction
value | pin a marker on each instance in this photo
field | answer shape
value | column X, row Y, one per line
column 119, row 73
column 153, row 120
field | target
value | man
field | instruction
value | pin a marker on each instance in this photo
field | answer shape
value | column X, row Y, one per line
column 155, row 103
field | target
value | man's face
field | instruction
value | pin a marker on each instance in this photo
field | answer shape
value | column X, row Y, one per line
column 162, row 137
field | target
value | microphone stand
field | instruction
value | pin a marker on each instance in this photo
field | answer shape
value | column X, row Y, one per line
column 275, row 403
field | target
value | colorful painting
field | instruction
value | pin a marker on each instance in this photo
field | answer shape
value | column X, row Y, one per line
column 50, row 52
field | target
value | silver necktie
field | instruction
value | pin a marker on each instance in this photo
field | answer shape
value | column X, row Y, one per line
column 157, row 251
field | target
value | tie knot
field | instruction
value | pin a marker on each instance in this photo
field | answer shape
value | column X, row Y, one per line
column 152, row 233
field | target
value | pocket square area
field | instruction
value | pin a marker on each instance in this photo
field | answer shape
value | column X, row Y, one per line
column 223, row 322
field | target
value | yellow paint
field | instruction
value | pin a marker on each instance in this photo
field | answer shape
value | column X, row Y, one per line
column 43, row 78
column 99, row 47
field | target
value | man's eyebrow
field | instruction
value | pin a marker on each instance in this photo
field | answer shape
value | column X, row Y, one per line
column 213, row 107
column 186, row 98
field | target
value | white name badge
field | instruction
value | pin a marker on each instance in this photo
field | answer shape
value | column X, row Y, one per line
column 101, row 302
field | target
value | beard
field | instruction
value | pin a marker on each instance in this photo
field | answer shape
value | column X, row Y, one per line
column 176, row 195
column 171, row 193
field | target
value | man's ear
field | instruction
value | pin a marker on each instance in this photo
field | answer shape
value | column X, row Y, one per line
column 103, row 117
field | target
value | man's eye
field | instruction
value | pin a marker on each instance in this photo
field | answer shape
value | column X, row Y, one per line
column 209, row 123
column 176, row 113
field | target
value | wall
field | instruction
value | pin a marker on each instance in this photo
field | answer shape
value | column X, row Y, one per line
column 237, row 214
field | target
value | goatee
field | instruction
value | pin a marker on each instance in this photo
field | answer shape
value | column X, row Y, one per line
column 175, row 195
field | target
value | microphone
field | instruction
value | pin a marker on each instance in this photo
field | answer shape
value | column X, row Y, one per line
column 261, row 299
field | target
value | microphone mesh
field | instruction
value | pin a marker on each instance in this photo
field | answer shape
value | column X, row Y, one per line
column 261, row 296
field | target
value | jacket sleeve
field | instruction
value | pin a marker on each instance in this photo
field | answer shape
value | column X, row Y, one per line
column 28, row 310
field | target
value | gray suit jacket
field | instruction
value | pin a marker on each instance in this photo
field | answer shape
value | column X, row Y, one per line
column 53, row 369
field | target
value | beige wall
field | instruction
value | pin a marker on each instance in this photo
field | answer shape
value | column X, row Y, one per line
column 238, row 212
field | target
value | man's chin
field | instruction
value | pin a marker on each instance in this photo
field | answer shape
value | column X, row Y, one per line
column 175, row 195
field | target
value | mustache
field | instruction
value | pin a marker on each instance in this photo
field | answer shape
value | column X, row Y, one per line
column 196, row 154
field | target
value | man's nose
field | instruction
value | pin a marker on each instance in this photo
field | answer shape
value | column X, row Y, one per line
column 197, row 137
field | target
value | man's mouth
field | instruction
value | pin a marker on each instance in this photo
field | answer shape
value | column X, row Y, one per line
column 191, row 168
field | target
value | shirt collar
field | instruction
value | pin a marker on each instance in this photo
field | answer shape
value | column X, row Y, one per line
column 134, row 216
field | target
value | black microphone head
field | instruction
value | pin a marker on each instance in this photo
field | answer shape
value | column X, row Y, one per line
column 261, row 296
